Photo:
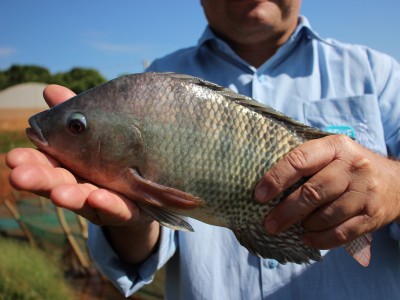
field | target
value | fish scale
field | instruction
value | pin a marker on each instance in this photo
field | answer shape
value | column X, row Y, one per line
column 232, row 133
column 181, row 146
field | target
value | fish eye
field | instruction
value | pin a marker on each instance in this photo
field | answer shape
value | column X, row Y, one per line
column 77, row 123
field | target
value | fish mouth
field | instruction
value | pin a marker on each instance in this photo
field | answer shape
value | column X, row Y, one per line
column 35, row 134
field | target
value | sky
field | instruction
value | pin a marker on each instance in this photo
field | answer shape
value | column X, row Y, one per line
column 121, row 36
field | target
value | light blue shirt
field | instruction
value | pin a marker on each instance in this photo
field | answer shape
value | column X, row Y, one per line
column 337, row 87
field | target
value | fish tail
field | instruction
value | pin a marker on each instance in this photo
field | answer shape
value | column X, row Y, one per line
column 360, row 249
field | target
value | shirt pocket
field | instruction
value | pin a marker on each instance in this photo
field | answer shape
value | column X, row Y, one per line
column 358, row 117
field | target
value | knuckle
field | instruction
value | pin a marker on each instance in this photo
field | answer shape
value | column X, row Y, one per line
column 275, row 178
column 297, row 159
column 362, row 164
column 325, row 217
column 370, row 216
column 343, row 141
column 309, row 193
column 366, row 221
column 341, row 236
column 372, row 189
column 341, row 145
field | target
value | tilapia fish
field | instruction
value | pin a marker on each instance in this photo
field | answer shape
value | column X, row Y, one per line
column 181, row 146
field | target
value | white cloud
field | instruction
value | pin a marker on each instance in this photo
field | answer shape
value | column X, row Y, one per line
column 118, row 48
column 7, row 51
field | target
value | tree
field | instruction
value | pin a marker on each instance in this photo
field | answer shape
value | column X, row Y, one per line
column 3, row 81
column 19, row 74
column 77, row 79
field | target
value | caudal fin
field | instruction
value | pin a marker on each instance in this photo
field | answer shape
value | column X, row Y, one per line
column 360, row 249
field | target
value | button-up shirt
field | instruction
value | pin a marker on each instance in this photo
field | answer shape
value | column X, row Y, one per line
column 337, row 87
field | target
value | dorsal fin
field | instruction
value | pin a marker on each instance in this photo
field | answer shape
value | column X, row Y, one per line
column 303, row 130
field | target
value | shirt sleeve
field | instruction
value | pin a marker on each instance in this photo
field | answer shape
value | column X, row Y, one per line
column 386, row 72
column 127, row 278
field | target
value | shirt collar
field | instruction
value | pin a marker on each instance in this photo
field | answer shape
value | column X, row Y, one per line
column 303, row 27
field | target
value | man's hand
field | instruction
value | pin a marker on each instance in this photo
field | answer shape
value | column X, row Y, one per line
column 350, row 191
column 39, row 173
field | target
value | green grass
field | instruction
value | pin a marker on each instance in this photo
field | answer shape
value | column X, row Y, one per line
column 13, row 139
column 28, row 274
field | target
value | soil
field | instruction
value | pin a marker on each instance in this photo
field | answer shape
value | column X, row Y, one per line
column 12, row 120
column 16, row 119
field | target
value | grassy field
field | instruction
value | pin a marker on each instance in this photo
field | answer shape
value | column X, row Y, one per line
column 13, row 139
column 12, row 128
column 28, row 274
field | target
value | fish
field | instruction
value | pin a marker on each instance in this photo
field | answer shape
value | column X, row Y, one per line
column 182, row 147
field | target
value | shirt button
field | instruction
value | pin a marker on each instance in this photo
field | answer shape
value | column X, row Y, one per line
column 261, row 78
column 272, row 263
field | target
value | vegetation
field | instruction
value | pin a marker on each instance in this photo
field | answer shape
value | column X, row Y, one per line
column 77, row 79
column 13, row 139
column 28, row 274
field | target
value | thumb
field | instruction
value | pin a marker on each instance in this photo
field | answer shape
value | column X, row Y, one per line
column 55, row 94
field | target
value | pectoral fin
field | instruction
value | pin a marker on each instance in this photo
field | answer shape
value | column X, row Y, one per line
column 159, row 195
column 166, row 218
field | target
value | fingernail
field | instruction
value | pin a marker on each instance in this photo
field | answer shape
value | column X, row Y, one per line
column 271, row 226
column 261, row 193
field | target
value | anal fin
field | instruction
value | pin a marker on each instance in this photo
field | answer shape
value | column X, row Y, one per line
column 284, row 247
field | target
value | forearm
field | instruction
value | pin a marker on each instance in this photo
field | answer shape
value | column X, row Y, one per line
column 135, row 243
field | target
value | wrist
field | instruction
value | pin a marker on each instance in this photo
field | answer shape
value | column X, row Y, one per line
column 133, row 243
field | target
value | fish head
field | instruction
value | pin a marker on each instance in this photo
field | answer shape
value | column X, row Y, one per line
column 94, row 143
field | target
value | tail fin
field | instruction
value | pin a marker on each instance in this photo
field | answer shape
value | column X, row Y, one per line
column 360, row 249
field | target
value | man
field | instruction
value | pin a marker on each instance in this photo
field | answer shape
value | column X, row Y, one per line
column 265, row 50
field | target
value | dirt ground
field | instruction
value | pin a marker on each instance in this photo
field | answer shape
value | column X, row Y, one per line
column 6, row 191
column 11, row 120
column 15, row 119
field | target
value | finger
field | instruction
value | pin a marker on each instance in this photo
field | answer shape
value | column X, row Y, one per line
column 113, row 208
column 357, row 200
column 23, row 156
column 339, row 235
column 301, row 162
column 100, row 206
column 334, row 213
column 55, row 94
column 39, row 179
column 73, row 197
column 321, row 189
